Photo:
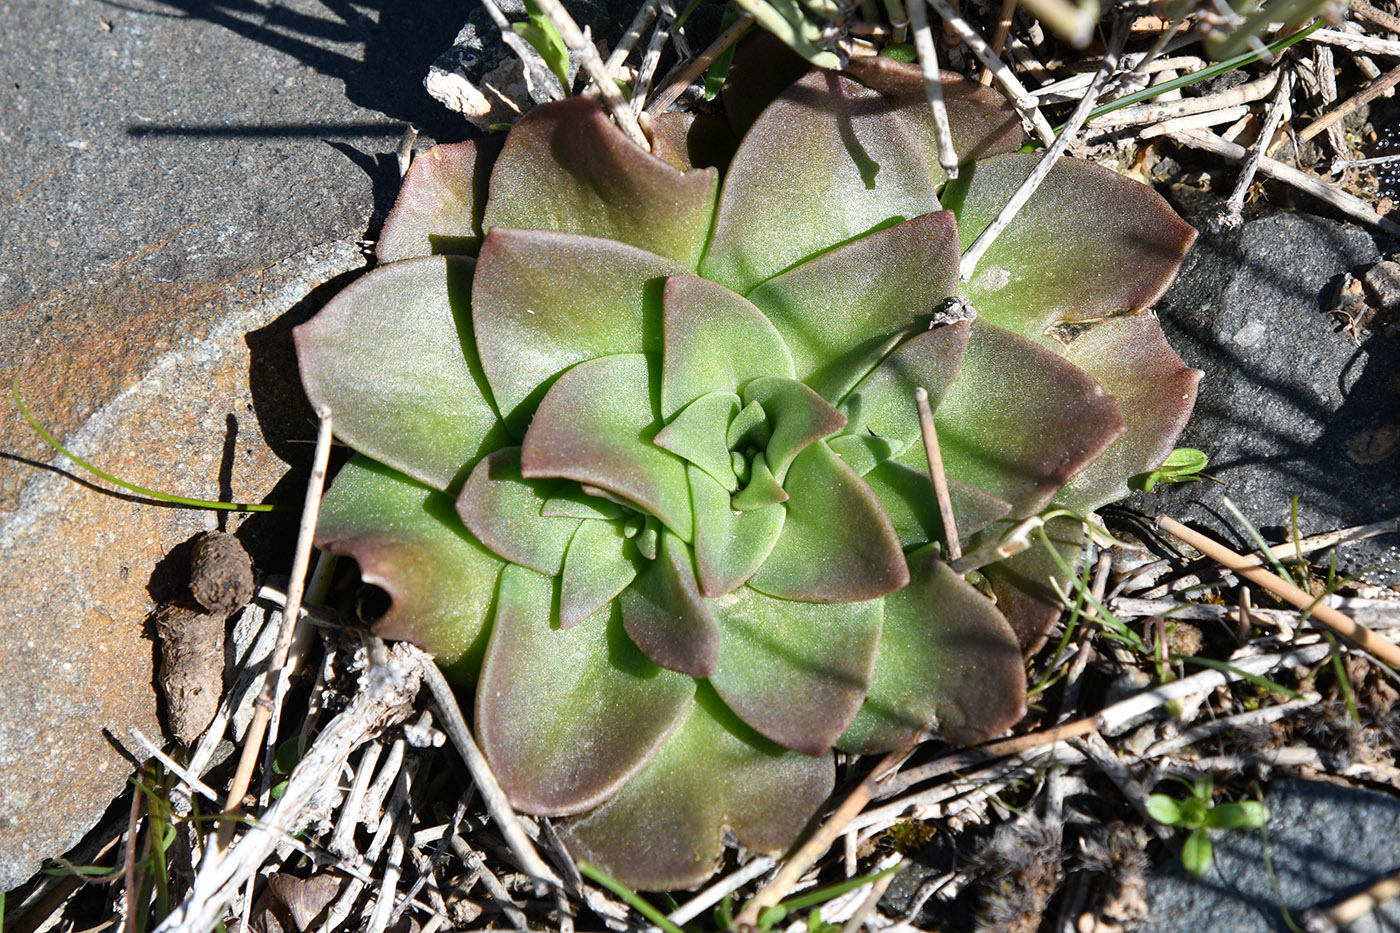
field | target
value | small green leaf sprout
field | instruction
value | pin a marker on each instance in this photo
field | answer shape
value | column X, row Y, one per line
column 544, row 36
column 1198, row 814
column 1183, row 465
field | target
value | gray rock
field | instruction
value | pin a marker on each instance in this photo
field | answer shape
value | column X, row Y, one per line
column 1290, row 405
column 1325, row 842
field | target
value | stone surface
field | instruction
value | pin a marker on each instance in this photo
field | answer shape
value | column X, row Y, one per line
column 1325, row 841
column 1290, row 404
column 162, row 162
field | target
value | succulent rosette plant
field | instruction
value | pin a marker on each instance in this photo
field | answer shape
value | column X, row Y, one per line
column 638, row 453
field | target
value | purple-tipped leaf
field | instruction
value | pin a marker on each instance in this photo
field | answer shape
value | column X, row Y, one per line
column 825, row 163
column 841, row 310
column 663, row 829
column 407, row 539
column 1155, row 390
column 797, row 417
column 762, row 488
column 1020, row 420
column 837, row 545
column 796, row 672
column 566, row 718
column 1090, row 244
column 957, row 665
column 391, row 357
column 729, row 544
column 698, row 435
column 545, row 301
column 1022, row 582
column 503, row 510
column 906, row 492
column 440, row 204
column 566, row 167
column 664, row 613
column 596, row 427
column 882, row 404
column 713, row 341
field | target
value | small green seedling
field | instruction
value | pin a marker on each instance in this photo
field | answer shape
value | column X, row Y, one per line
column 1198, row 814
column 544, row 37
column 1183, row 465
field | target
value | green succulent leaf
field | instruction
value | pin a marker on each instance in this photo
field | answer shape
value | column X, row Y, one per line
column 1155, row 391
column 730, row 544
column 1022, row 582
column 405, row 388
column 837, row 545
column 798, row 418
column 1022, row 453
column 698, row 434
column 596, row 427
column 982, row 121
column 794, row 671
column 567, row 168
column 762, row 489
column 825, row 163
column 1125, row 247
column 665, row 615
column 882, row 404
column 711, row 772
column 597, row 566
column 1196, row 853
column 504, row 511
column 842, row 310
column 440, row 203
column 1164, row 808
column 545, row 301
column 1248, row 814
column 406, row 538
column 957, row 664
column 586, row 697
column 906, row 492
column 714, row 341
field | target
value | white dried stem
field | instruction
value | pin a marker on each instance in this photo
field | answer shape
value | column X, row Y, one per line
column 1157, row 111
column 384, row 699
column 1326, row 68
column 473, row 860
column 1199, row 121
column 537, row 70
column 393, row 815
column 721, row 889
column 1004, row 17
column 934, row 455
column 680, row 77
column 1330, row 119
column 1387, row 48
column 389, row 881
column 342, row 842
column 1233, row 209
column 1253, row 717
column 1072, row 88
column 632, row 36
column 190, row 780
column 1348, row 204
column 597, row 72
column 1047, row 161
column 371, row 808
column 933, row 87
column 653, row 54
column 497, row 804
column 1011, row 86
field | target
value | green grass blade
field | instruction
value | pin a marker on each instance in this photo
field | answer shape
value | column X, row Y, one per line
column 822, row 895
column 1246, row 675
column 139, row 490
column 631, row 898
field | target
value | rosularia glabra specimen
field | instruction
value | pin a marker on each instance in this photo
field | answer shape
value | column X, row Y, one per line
column 639, row 457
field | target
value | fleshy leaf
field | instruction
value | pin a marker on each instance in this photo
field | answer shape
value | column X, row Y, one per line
column 729, row 545
column 575, row 503
column 882, row 404
column 906, row 492
column 566, row 718
column 1022, row 582
column 762, row 488
column 1155, row 390
column 837, row 545
column 750, row 426
column 664, row 613
column 991, row 436
column 862, row 452
column 711, row 772
column 391, row 356
column 798, row 417
column 566, row 167
column 596, row 427
column 1126, row 247
column 544, row 301
column 982, row 120
column 439, row 207
column 825, row 163
column 503, row 510
column 841, row 310
column 715, row 341
column 597, row 566
column 407, row 539
column 955, row 662
column 796, row 672
column 698, row 435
